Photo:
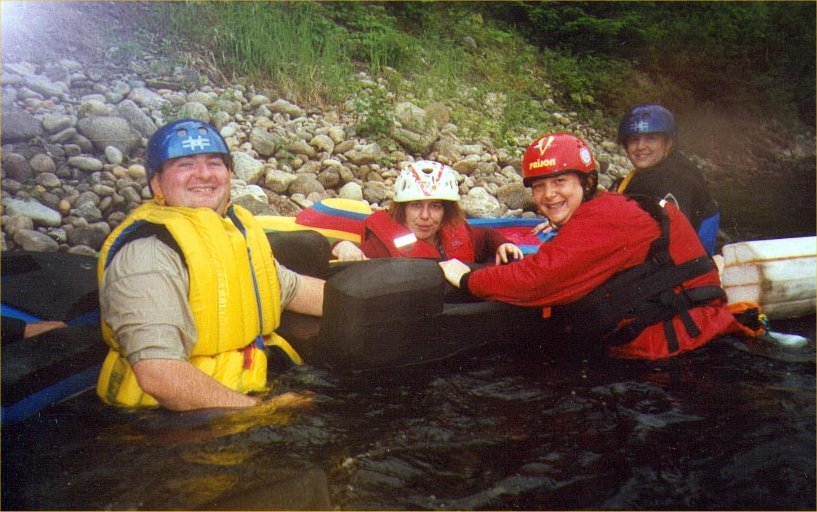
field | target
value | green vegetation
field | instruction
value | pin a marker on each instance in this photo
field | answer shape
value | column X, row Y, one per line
column 759, row 55
column 374, row 113
column 288, row 44
column 493, row 63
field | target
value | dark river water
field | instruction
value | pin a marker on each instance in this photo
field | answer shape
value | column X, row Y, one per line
column 778, row 203
column 501, row 428
column 509, row 426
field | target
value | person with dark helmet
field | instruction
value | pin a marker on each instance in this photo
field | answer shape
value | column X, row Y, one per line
column 649, row 137
column 626, row 274
column 190, row 293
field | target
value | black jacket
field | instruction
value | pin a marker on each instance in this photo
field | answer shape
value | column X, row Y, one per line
column 677, row 176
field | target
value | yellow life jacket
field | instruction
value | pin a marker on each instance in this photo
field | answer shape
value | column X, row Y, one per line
column 627, row 179
column 234, row 296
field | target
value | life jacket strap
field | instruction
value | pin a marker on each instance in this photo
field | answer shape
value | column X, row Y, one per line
column 652, row 314
column 646, row 294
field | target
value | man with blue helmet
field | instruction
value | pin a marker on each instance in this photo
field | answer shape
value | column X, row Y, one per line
column 190, row 293
column 648, row 135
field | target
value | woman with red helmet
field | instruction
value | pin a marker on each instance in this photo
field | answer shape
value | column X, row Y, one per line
column 425, row 221
column 631, row 273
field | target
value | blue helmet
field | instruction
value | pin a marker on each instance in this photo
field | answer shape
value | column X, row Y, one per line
column 184, row 137
column 647, row 118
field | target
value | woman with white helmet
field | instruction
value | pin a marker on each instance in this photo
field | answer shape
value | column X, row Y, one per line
column 425, row 221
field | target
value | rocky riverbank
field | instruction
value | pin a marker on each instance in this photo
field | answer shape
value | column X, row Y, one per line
column 74, row 131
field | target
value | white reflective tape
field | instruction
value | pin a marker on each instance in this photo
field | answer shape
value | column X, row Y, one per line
column 402, row 241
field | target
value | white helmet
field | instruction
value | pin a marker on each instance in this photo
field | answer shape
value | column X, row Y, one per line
column 425, row 179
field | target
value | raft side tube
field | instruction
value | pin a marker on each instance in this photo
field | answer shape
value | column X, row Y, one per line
column 376, row 309
column 49, row 285
column 49, row 368
column 767, row 250
column 780, row 275
column 396, row 312
column 305, row 252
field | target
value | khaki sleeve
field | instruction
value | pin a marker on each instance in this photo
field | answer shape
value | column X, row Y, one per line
column 143, row 298
column 288, row 281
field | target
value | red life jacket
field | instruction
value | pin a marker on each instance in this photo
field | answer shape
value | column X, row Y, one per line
column 456, row 240
column 656, row 292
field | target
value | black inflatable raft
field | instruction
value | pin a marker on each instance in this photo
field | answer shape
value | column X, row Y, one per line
column 389, row 312
column 58, row 364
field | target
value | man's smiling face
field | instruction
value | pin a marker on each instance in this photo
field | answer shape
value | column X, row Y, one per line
column 198, row 181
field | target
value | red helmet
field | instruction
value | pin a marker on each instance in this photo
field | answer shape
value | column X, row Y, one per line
column 557, row 153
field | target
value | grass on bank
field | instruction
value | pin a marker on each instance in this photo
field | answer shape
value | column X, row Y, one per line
column 496, row 85
column 474, row 57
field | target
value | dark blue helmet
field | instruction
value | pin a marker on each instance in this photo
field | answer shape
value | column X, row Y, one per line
column 184, row 137
column 647, row 118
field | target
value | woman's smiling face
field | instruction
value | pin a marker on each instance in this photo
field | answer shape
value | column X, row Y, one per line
column 647, row 149
column 558, row 196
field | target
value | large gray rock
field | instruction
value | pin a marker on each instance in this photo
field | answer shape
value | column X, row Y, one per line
column 55, row 123
column 89, row 212
column 41, row 163
column 448, row 147
column 16, row 167
column 329, row 178
column 44, row 86
column 19, row 126
column 323, row 142
column 104, row 131
column 264, row 142
column 480, row 204
column 195, row 110
column 284, row 107
column 278, row 181
column 416, row 142
column 48, row 180
column 94, row 107
column 228, row 106
column 93, row 236
column 514, row 195
column 376, row 192
column 467, row 165
column 300, row 147
column 40, row 214
column 206, row 99
column 247, row 168
column 351, row 191
column 64, row 136
column 147, row 98
column 412, row 117
column 14, row 223
column 416, row 130
column 253, row 198
column 365, row 154
column 35, row 241
column 305, row 184
column 85, row 163
column 137, row 118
